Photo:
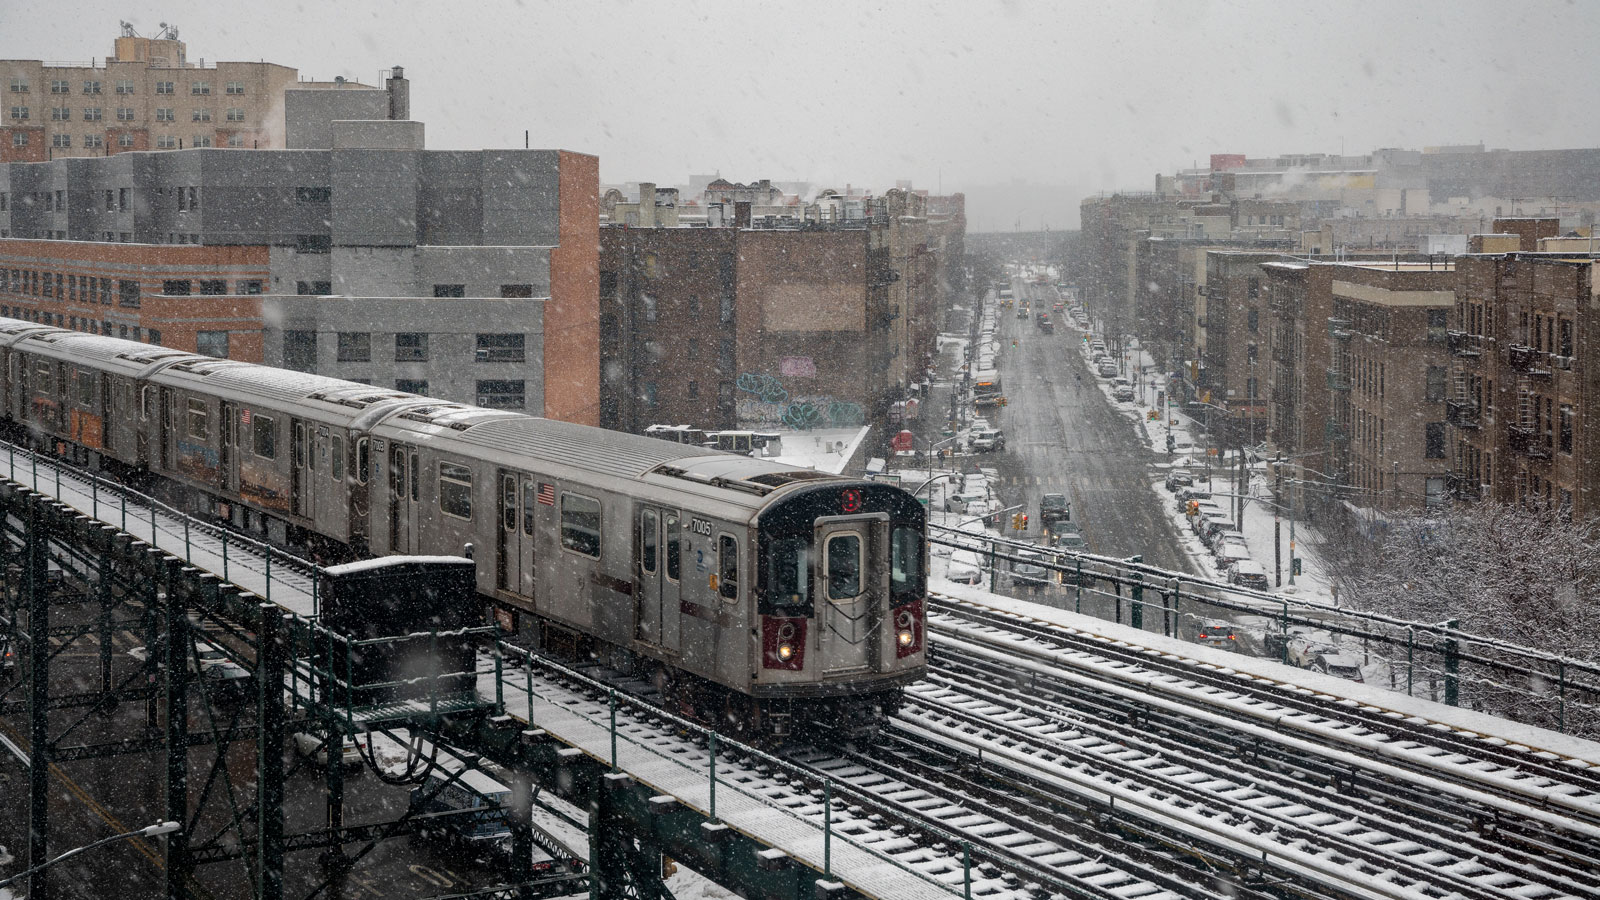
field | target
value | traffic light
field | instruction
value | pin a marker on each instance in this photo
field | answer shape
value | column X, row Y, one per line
column 1016, row 521
column 1024, row 522
column 1294, row 566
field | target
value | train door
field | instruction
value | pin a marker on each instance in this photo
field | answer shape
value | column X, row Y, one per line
column 658, row 569
column 21, row 409
column 108, row 420
column 225, row 444
column 853, row 591
column 402, row 498
column 518, row 501
column 163, row 426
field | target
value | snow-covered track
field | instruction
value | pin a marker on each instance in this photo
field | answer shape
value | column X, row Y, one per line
column 1208, row 801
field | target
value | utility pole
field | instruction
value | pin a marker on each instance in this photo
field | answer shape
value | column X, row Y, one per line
column 1277, row 500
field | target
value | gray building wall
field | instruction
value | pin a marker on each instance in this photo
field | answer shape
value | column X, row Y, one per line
column 309, row 114
column 453, row 368
column 372, row 222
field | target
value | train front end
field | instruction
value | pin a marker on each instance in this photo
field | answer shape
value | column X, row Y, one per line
column 841, row 604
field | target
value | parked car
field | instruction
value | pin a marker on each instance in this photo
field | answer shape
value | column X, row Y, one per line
column 1191, row 493
column 1027, row 571
column 1108, row 370
column 221, row 674
column 1216, row 633
column 1249, row 574
column 1338, row 663
column 964, row 568
column 986, row 441
column 1228, row 553
column 1176, row 480
column 472, row 790
column 1123, row 394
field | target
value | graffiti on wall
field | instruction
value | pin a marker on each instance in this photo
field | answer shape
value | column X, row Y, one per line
column 765, row 402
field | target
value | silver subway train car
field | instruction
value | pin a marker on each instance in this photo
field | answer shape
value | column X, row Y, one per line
column 755, row 594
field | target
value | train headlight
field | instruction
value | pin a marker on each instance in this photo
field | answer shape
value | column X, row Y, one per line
column 906, row 638
column 785, row 652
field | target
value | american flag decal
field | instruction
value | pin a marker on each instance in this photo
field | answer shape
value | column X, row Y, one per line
column 547, row 494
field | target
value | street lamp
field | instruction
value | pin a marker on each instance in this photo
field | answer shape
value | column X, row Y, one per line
column 148, row 831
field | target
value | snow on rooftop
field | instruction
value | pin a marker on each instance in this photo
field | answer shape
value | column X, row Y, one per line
column 824, row 449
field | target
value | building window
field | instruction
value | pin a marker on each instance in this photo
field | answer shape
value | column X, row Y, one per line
column 694, row 390
column 166, row 142
column 412, row 385
column 1566, row 429
column 449, row 290
column 649, row 304
column 19, row 113
column 313, row 194
column 164, row 114
column 693, row 351
column 235, row 87
column 213, row 287
column 502, row 394
column 201, row 140
column 124, row 86
column 727, row 309
column 60, row 86
column 248, row 285
column 355, row 346
column 300, row 351
column 19, row 85
column 61, row 140
column 313, row 288
column 155, row 336
column 122, row 193
column 203, row 114
column 500, row 348
column 455, row 490
column 1435, row 383
column 211, row 343
column 313, row 243
column 411, row 346
column 1438, row 322
column 516, row 291
column 91, row 87
column 1435, row 440
column 93, row 141
column 652, row 396
column 128, row 293
column 580, row 525
column 1564, row 338
column 235, row 114
column 124, row 114
column 92, row 114
column 235, row 140
column 124, row 140
column 200, row 88
column 165, row 87
column 60, row 114
column 19, row 139
column 175, row 287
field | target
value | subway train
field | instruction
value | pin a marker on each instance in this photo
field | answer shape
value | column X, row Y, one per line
column 757, row 596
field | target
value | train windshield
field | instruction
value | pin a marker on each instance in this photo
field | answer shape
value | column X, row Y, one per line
column 905, row 561
column 789, row 579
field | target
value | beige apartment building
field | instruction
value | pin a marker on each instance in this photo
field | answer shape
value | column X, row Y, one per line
column 147, row 96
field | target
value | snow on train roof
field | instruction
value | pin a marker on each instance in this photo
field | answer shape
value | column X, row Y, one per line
column 581, row 446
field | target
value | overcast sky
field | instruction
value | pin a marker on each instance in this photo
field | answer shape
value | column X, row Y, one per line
column 1026, row 106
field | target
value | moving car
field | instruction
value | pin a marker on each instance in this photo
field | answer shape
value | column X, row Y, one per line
column 985, row 441
column 1054, row 508
column 1216, row 633
column 1027, row 571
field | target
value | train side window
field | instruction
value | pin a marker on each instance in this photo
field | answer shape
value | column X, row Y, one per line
column 508, row 502
column 42, row 383
column 844, row 566
column 580, row 525
column 362, row 460
column 649, row 540
column 674, row 548
column 905, row 560
column 728, row 567
column 85, row 387
column 199, row 427
column 789, row 575
column 413, row 478
column 529, row 493
column 264, row 438
column 147, row 401
column 337, row 463
column 455, row 490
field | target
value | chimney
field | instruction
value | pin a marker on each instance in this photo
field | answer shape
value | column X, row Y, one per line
column 647, row 204
column 399, row 94
column 741, row 214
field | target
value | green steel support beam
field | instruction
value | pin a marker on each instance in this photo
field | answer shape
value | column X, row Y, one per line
column 33, row 583
column 270, row 658
column 179, row 866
